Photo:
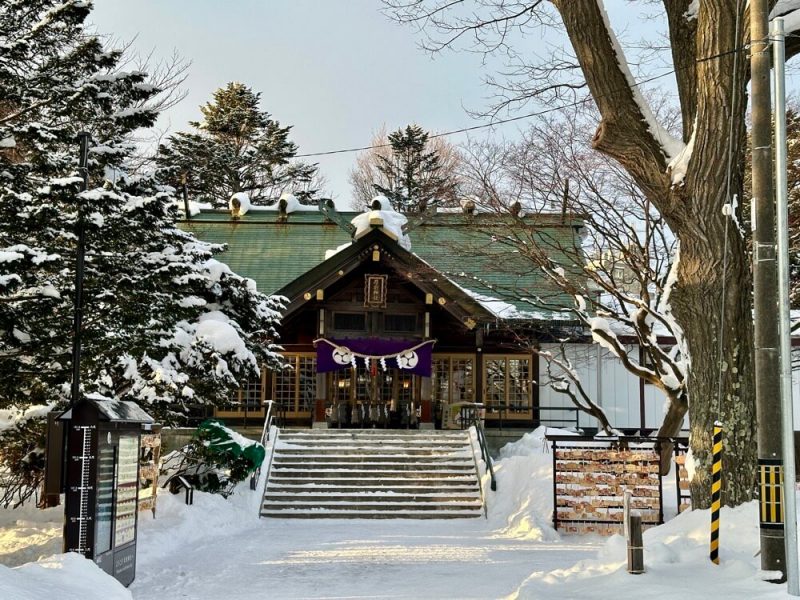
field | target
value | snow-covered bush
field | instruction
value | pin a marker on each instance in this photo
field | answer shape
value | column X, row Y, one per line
column 215, row 460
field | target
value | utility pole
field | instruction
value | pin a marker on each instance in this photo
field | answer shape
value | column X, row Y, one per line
column 782, row 201
column 77, row 325
column 765, row 294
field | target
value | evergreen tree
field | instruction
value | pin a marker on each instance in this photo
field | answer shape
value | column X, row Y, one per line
column 413, row 172
column 165, row 324
column 236, row 148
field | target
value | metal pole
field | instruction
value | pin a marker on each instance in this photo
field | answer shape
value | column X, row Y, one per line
column 781, row 197
column 765, row 283
column 77, row 325
column 186, row 207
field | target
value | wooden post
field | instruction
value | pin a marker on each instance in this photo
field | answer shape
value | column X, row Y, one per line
column 632, row 525
column 635, row 547
column 765, row 279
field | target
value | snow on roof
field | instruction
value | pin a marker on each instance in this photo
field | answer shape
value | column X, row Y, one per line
column 240, row 203
column 389, row 221
column 505, row 310
column 195, row 208
column 114, row 410
column 291, row 202
column 335, row 251
column 382, row 201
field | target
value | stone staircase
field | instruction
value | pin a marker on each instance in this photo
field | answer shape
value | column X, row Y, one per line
column 373, row 474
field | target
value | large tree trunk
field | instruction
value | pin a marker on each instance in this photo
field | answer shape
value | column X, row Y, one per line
column 693, row 210
column 696, row 302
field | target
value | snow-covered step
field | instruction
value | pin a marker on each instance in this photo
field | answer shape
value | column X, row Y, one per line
column 315, row 465
column 296, row 513
column 382, row 457
column 391, row 507
column 357, row 449
column 367, row 499
column 320, row 473
column 344, row 473
column 375, row 483
column 439, row 488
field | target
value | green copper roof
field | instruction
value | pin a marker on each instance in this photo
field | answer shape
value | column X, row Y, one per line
column 472, row 251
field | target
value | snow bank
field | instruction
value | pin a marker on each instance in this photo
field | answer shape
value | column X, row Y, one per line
column 178, row 526
column 60, row 576
column 676, row 563
column 29, row 534
column 522, row 506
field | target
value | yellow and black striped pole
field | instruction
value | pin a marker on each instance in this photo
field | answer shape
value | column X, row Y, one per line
column 716, row 492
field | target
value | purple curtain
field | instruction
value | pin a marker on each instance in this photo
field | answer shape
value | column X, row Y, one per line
column 338, row 354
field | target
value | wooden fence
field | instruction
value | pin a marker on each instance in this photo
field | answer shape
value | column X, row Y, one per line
column 591, row 476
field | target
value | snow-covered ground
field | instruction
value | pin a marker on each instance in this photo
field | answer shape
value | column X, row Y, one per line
column 220, row 549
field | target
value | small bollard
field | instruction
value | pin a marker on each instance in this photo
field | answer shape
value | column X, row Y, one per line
column 635, row 546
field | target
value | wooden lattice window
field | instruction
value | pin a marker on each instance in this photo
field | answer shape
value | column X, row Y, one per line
column 453, row 378
column 507, row 381
column 294, row 388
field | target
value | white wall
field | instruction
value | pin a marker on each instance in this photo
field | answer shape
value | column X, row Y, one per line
column 619, row 390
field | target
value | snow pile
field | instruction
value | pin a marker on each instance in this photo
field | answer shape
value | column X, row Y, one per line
column 392, row 222
column 60, row 576
column 239, row 203
column 29, row 534
column 179, row 526
column 522, row 506
column 676, row 564
column 216, row 332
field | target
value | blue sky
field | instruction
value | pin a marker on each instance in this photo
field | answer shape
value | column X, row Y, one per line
column 335, row 70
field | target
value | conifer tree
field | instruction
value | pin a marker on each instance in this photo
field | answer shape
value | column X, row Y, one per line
column 165, row 324
column 236, row 148
column 413, row 171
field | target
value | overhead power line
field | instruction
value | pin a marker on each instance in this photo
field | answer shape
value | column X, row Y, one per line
column 525, row 116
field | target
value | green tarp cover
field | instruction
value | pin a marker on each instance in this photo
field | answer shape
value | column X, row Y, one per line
column 219, row 438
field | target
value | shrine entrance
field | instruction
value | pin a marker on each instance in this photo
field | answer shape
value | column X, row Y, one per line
column 370, row 398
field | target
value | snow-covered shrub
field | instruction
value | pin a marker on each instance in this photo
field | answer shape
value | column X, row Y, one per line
column 215, row 460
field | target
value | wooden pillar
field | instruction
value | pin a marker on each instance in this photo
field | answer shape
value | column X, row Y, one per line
column 426, row 416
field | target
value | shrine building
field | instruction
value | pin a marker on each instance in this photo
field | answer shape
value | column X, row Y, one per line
column 395, row 320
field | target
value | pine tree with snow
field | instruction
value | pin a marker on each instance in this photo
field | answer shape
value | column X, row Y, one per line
column 236, row 148
column 165, row 324
column 413, row 172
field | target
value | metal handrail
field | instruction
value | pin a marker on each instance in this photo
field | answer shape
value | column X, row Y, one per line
column 268, row 419
column 472, row 418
